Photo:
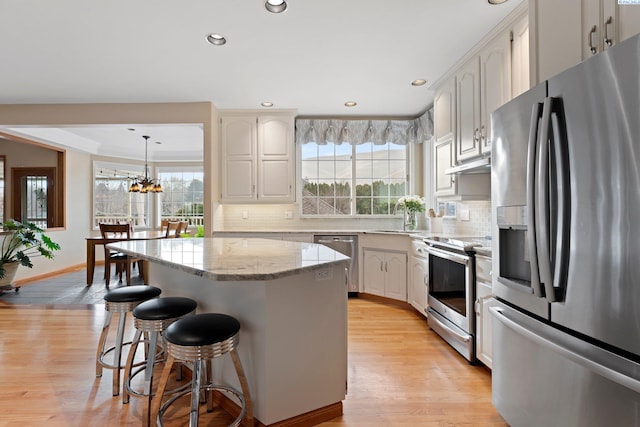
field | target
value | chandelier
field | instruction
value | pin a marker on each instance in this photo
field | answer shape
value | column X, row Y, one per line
column 144, row 183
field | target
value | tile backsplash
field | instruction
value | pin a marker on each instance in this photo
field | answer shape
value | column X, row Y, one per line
column 478, row 223
column 275, row 218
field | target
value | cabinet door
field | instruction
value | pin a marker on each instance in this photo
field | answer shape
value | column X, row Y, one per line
column 520, row 77
column 468, row 110
column 557, row 37
column 483, row 322
column 395, row 273
column 275, row 153
column 374, row 272
column 239, row 142
column 495, row 88
column 417, row 288
column 443, row 160
column 444, row 111
column 628, row 20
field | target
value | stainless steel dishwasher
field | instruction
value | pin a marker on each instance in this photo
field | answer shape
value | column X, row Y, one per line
column 346, row 245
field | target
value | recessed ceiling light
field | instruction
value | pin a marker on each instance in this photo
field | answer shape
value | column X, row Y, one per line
column 496, row 1
column 275, row 6
column 216, row 39
column 350, row 104
column 267, row 104
column 418, row 82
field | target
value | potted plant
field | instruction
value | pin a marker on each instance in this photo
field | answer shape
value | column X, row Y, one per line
column 20, row 242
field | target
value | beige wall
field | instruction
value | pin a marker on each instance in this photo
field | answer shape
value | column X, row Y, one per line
column 79, row 164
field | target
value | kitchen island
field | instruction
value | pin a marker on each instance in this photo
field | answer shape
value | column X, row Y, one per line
column 291, row 301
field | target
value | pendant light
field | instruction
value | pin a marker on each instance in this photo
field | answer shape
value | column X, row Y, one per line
column 144, row 183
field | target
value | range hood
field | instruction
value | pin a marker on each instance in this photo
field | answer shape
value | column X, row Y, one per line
column 482, row 165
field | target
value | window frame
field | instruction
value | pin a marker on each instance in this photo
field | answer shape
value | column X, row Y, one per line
column 409, row 185
column 131, row 170
column 178, row 168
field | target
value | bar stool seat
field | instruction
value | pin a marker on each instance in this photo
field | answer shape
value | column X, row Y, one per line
column 122, row 301
column 200, row 339
column 152, row 318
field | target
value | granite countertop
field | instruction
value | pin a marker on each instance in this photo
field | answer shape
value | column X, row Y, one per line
column 233, row 259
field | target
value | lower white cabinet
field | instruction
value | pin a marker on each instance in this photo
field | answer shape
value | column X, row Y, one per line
column 418, row 280
column 484, row 300
column 385, row 273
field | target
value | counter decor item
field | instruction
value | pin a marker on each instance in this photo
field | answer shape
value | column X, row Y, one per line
column 20, row 242
column 411, row 206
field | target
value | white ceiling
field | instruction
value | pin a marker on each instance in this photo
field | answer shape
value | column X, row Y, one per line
column 312, row 58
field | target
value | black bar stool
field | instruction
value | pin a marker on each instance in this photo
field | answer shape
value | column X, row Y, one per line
column 152, row 318
column 122, row 301
column 200, row 339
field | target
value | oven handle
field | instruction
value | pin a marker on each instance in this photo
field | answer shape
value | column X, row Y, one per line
column 460, row 259
column 463, row 338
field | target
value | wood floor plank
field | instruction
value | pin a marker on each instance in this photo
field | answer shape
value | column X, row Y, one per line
column 400, row 373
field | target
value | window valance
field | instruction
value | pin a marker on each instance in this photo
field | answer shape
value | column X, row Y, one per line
column 355, row 132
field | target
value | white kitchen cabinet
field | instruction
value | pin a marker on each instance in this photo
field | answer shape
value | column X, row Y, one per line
column 443, row 159
column 468, row 110
column 257, row 158
column 520, row 78
column 456, row 187
column 484, row 300
column 444, row 113
column 418, row 277
column 385, row 273
column 495, row 85
column 564, row 33
column 482, row 84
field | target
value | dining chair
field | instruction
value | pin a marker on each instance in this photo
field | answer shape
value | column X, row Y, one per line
column 184, row 225
column 173, row 229
column 123, row 261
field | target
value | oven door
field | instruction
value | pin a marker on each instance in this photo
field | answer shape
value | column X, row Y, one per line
column 451, row 278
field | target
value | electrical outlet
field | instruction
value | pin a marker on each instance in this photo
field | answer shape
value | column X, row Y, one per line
column 324, row 274
column 288, row 214
column 463, row 214
column 245, row 214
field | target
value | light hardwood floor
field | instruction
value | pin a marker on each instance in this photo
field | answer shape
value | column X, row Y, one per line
column 400, row 373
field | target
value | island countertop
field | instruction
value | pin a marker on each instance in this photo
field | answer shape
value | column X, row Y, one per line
column 233, row 259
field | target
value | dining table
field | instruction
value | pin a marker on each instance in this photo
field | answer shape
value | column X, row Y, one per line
column 93, row 241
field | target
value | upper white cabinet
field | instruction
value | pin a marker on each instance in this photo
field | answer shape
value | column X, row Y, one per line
column 483, row 84
column 257, row 158
column 563, row 33
column 444, row 114
column 495, row 84
column 443, row 159
column 520, row 76
column 468, row 110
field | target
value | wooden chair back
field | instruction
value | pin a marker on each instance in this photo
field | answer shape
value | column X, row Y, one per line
column 183, row 228
column 115, row 231
column 173, row 228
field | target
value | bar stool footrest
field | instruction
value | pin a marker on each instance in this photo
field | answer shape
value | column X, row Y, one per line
column 208, row 387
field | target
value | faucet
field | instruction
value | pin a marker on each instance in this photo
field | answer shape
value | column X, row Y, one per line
column 405, row 219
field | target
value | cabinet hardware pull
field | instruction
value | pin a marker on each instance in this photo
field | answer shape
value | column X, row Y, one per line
column 607, row 40
column 381, row 268
column 386, row 267
column 592, row 48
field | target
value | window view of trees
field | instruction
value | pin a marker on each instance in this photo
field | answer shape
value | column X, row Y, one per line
column 330, row 172
column 183, row 195
column 112, row 201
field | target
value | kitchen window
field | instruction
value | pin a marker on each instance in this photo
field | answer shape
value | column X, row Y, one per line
column 347, row 180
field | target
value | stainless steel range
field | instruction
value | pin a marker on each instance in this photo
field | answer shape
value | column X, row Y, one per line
column 451, row 293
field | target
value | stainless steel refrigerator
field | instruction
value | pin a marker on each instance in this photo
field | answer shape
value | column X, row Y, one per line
column 566, row 255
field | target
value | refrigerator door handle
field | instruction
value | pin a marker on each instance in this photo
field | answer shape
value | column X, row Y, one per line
column 542, row 203
column 536, row 113
column 584, row 358
column 563, row 197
